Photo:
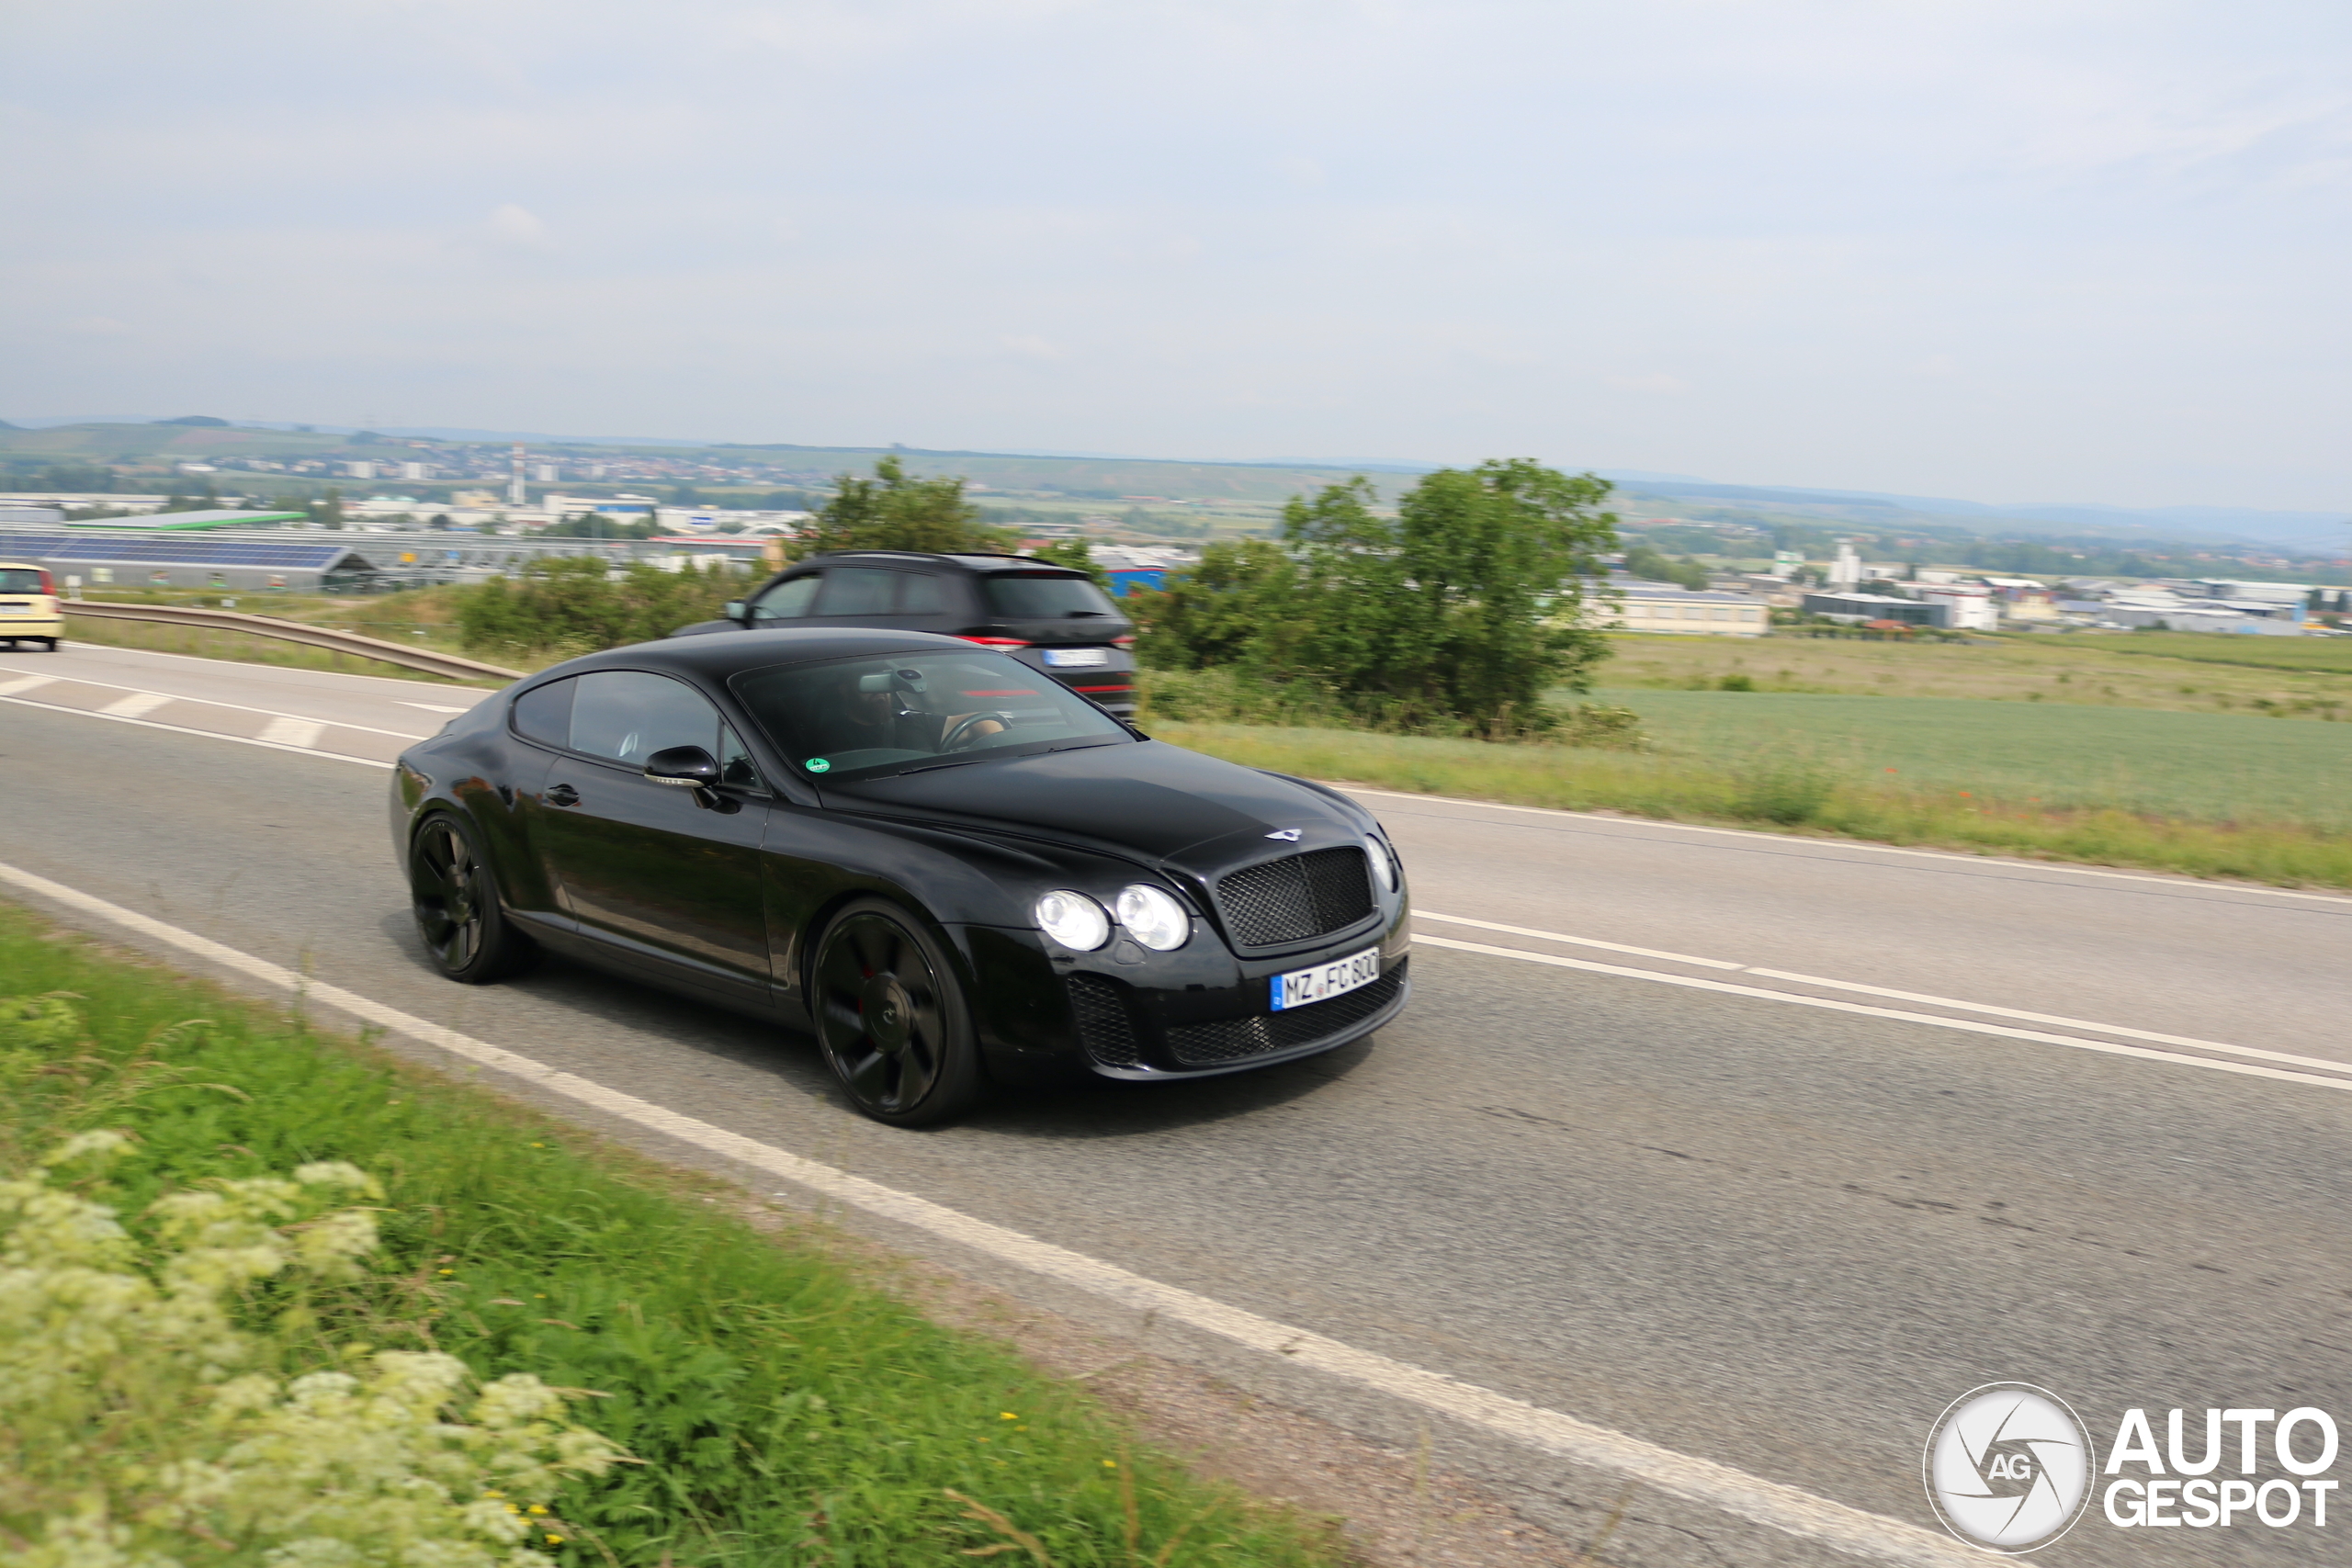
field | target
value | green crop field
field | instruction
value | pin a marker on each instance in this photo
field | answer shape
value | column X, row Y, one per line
column 2214, row 767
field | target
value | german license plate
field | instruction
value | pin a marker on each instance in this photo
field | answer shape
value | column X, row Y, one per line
column 1323, row 981
column 15, row 609
column 1077, row 658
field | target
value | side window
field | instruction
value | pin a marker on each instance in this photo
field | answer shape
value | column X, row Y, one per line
column 787, row 601
column 920, row 593
column 544, row 713
column 859, row 591
column 626, row 715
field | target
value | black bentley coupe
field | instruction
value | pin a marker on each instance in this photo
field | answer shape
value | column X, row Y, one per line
column 954, row 872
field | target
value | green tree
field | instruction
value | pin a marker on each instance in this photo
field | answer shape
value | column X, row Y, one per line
column 1076, row 555
column 1647, row 563
column 1459, row 611
column 896, row 511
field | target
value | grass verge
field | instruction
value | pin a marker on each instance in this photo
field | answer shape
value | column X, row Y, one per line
column 785, row 1408
column 1787, row 790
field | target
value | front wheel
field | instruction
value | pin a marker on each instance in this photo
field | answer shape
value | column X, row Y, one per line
column 891, row 1019
column 456, row 903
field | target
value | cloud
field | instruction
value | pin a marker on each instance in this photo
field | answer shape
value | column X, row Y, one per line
column 515, row 226
column 1433, row 227
column 1033, row 347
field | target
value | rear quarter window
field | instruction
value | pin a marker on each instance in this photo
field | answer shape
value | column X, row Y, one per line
column 1043, row 596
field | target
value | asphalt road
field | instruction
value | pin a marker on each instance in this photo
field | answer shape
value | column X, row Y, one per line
column 1774, row 1234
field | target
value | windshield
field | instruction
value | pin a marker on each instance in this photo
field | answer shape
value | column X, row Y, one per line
column 866, row 718
column 1043, row 596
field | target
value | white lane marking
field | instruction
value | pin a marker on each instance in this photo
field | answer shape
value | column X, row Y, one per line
column 1792, row 840
column 435, row 707
column 28, row 684
column 132, row 705
column 1752, row 1498
column 263, row 674
column 298, row 732
column 184, row 729
column 1967, row 1025
column 1578, row 940
column 2329, row 1064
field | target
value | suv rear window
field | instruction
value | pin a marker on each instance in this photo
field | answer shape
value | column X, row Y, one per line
column 1042, row 596
column 20, row 580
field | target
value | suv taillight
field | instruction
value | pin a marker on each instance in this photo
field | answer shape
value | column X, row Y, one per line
column 998, row 641
column 1123, row 642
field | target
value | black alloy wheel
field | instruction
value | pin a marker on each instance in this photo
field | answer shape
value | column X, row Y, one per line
column 464, row 927
column 891, row 1019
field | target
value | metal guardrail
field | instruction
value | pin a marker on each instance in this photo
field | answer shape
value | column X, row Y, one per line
column 444, row 664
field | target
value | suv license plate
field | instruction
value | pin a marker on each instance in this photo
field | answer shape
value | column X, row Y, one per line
column 1077, row 658
column 1323, row 981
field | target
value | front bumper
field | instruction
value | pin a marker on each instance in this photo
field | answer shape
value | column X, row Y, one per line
column 1197, row 1013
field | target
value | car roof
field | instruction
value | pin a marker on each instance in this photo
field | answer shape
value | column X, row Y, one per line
column 717, row 656
column 970, row 562
column 20, row 566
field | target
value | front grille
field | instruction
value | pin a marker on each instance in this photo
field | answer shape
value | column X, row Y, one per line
column 1104, row 1027
column 1236, row 1039
column 1297, row 897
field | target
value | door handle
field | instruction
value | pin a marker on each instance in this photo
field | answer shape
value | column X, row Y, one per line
column 563, row 795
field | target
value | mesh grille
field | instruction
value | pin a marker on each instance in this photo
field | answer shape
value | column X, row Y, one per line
column 1236, row 1039
column 1104, row 1026
column 1296, row 898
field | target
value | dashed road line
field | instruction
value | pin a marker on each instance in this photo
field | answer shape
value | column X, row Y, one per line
column 134, row 705
column 28, row 684
column 184, row 729
column 287, row 730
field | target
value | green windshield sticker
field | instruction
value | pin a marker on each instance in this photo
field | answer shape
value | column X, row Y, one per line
column 818, row 765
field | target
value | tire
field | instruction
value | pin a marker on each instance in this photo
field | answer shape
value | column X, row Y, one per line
column 891, row 1018
column 455, row 899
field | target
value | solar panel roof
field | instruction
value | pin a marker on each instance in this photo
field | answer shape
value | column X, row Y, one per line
column 178, row 550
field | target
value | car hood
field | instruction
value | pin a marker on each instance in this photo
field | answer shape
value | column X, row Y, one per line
column 1149, row 801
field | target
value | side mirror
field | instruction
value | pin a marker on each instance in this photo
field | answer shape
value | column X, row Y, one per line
column 733, row 611
column 686, row 767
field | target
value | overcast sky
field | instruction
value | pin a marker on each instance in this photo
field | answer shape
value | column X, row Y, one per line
column 2009, row 250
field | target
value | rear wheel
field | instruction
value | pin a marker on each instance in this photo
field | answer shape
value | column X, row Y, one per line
column 891, row 1018
column 464, row 926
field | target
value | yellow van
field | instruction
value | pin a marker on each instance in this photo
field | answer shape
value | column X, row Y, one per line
column 28, row 608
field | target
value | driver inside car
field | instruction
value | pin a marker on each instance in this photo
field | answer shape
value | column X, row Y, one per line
column 891, row 710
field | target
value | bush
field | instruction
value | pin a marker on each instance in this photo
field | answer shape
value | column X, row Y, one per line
column 138, row 1419
column 571, row 604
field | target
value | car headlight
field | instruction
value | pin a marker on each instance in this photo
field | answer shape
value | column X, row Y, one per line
column 1384, row 860
column 1073, row 920
column 1153, row 919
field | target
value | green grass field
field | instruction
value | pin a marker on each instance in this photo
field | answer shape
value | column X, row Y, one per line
column 2207, row 766
column 784, row 1407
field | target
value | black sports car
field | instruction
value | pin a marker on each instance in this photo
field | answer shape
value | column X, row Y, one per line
column 952, row 871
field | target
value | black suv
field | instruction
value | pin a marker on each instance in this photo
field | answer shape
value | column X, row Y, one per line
column 1049, row 617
